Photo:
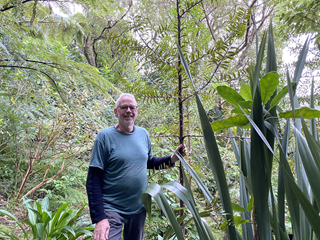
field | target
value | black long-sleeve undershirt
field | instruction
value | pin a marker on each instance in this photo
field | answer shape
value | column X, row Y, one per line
column 95, row 182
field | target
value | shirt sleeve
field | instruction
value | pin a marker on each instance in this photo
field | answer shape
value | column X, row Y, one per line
column 159, row 163
column 94, row 191
column 99, row 154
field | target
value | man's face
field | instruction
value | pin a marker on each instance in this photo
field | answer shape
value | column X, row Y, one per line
column 127, row 111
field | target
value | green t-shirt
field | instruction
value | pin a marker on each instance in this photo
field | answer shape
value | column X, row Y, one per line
column 123, row 157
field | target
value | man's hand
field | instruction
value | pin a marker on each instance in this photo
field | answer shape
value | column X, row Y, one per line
column 101, row 230
column 182, row 150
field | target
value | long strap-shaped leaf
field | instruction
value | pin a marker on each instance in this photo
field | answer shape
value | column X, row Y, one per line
column 214, row 158
column 195, row 177
column 313, row 128
column 154, row 190
column 246, row 227
column 187, row 198
column 309, row 210
column 309, row 164
column 260, row 166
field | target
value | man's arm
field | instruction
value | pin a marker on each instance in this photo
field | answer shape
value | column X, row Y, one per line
column 97, row 214
column 165, row 162
column 94, row 191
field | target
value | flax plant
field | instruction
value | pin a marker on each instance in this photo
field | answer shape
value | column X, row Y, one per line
column 262, row 211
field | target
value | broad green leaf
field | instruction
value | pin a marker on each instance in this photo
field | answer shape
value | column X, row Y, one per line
column 230, row 95
column 234, row 121
column 245, row 92
column 185, row 65
column 239, row 220
column 307, row 113
column 170, row 232
column 292, row 201
column 238, row 111
column 237, row 208
column 40, row 230
column 246, row 104
column 31, row 215
column 280, row 95
column 268, row 84
column 45, row 204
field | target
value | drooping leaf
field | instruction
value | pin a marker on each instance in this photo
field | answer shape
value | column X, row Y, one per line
column 196, row 178
column 307, row 113
column 187, row 198
column 14, row 219
column 155, row 191
column 234, row 121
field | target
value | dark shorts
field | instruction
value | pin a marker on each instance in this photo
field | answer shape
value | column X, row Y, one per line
column 133, row 225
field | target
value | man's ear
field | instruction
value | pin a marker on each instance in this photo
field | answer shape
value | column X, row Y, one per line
column 115, row 110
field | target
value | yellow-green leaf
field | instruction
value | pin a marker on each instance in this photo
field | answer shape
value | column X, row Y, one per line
column 245, row 92
column 268, row 84
column 230, row 95
column 307, row 113
column 234, row 121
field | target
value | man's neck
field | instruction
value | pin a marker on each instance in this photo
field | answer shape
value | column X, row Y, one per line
column 124, row 129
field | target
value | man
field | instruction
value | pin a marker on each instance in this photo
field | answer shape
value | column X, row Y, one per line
column 117, row 175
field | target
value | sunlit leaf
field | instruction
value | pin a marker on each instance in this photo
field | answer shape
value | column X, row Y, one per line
column 234, row 121
column 268, row 84
column 245, row 92
column 307, row 113
column 231, row 95
column 236, row 207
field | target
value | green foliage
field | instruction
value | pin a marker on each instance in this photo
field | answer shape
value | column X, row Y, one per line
column 300, row 16
column 255, row 162
column 46, row 224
